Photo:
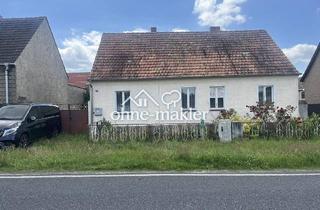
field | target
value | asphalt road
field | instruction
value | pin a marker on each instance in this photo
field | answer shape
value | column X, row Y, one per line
column 162, row 192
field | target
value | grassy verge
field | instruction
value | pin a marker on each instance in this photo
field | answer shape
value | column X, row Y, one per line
column 76, row 153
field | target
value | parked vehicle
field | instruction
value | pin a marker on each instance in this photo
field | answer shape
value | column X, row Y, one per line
column 21, row 124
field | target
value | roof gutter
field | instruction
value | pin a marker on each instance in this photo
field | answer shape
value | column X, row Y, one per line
column 7, row 68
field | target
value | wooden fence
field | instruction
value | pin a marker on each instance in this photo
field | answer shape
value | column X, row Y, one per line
column 185, row 132
column 74, row 118
column 153, row 132
column 283, row 130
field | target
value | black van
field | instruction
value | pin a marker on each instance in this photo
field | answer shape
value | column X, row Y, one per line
column 20, row 124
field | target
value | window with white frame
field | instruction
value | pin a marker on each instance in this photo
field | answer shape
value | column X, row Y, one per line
column 123, row 101
column 302, row 94
column 188, row 97
column 217, row 94
column 265, row 94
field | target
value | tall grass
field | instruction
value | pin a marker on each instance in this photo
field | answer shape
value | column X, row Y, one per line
column 76, row 153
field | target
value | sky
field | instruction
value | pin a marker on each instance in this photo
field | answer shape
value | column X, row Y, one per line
column 78, row 24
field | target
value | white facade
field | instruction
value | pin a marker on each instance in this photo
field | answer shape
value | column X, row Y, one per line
column 239, row 92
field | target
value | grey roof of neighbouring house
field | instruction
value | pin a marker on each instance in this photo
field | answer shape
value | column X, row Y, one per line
column 15, row 34
column 163, row 55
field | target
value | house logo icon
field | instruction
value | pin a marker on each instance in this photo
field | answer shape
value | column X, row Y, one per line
column 142, row 99
column 171, row 98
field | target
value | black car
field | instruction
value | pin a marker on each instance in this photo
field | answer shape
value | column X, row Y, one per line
column 20, row 124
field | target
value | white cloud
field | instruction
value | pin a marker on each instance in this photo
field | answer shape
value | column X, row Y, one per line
column 137, row 30
column 212, row 13
column 78, row 52
column 300, row 54
column 180, row 30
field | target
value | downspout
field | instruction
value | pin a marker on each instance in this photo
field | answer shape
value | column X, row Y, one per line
column 91, row 104
column 7, row 79
column 7, row 83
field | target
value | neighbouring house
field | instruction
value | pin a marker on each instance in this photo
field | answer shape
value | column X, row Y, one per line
column 182, row 77
column 311, row 85
column 78, row 86
column 31, row 59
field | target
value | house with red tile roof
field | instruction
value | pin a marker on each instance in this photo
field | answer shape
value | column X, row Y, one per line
column 192, row 76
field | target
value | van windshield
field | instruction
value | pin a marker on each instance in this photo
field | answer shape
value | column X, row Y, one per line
column 13, row 112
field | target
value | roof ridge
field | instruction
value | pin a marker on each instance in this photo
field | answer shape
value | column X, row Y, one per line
column 187, row 32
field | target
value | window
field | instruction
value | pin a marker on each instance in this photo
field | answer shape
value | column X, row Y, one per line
column 265, row 94
column 217, row 97
column 188, row 97
column 123, row 101
column 302, row 95
column 13, row 112
column 35, row 111
column 49, row 111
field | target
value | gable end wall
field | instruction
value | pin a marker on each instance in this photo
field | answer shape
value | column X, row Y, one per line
column 312, row 83
column 41, row 77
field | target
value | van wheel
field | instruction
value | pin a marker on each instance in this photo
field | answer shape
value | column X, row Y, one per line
column 24, row 141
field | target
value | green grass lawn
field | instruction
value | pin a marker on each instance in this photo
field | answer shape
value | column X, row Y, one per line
column 76, row 153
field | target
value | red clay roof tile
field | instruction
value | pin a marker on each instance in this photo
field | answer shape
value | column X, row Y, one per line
column 79, row 79
column 164, row 55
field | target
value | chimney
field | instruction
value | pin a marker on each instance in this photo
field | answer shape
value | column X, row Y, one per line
column 153, row 29
column 214, row 28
